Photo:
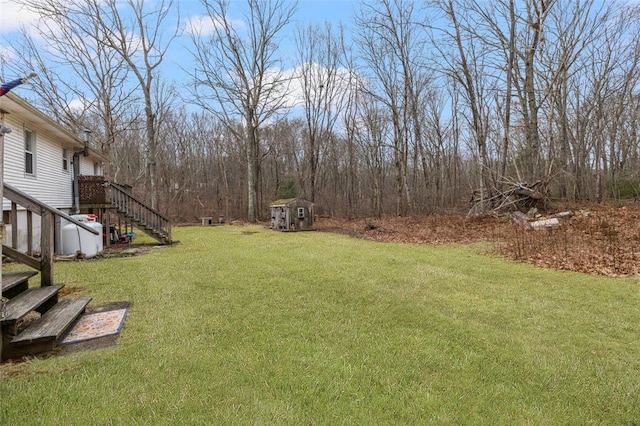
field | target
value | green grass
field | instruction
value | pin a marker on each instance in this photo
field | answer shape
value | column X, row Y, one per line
column 242, row 325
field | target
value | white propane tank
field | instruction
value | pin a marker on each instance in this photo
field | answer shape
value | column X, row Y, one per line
column 75, row 238
column 98, row 227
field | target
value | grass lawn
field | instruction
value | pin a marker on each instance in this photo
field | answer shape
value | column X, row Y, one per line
column 243, row 325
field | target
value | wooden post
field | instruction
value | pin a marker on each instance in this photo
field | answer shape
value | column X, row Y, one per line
column 107, row 225
column 14, row 224
column 29, row 233
column 2, row 229
column 46, row 248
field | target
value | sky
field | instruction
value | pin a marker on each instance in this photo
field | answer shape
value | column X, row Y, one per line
column 179, row 59
column 13, row 17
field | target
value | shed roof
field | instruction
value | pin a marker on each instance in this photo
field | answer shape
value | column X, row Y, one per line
column 286, row 202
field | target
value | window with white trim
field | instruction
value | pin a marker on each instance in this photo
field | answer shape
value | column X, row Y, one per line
column 29, row 151
column 65, row 159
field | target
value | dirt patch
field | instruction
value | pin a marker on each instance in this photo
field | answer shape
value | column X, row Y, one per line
column 432, row 229
column 116, row 250
column 125, row 250
column 602, row 240
column 70, row 291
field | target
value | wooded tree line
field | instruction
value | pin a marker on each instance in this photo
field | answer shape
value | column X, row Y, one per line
column 409, row 108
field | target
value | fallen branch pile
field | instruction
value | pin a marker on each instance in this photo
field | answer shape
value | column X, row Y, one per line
column 516, row 197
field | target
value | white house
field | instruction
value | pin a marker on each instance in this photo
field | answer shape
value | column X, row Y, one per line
column 50, row 174
column 43, row 160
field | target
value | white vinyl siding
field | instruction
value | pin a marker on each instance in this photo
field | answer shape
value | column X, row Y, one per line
column 88, row 167
column 32, row 163
column 49, row 183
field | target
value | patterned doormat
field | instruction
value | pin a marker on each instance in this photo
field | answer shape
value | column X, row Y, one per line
column 94, row 326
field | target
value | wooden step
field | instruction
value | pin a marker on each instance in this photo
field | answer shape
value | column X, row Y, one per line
column 44, row 334
column 15, row 282
column 39, row 299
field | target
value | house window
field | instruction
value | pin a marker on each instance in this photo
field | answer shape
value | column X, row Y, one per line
column 300, row 212
column 65, row 159
column 95, row 169
column 29, row 151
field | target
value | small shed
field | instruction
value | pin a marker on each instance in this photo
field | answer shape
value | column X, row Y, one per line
column 291, row 214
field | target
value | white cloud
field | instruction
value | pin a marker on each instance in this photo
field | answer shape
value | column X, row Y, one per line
column 13, row 16
column 79, row 105
column 206, row 25
column 6, row 54
column 342, row 83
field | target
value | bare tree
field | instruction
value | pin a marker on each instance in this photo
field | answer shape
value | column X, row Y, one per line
column 602, row 103
column 350, row 122
column 526, row 49
column 69, row 42
column 319, row 51
column 372, row 132
column 238, row 74
column 141, row 43
column 112, row 42
column 463, row 59
column 391, row 45
column 284, row 159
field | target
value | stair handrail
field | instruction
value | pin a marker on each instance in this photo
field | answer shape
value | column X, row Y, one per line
column 134, row 198
column 164, row 221
column 47, row 214
column 33, row 204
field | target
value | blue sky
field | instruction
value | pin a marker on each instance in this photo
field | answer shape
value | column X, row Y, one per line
column 13, row 16
column 177, row 63
column 334, row 11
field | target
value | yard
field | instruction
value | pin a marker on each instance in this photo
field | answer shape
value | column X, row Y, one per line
column 243, row 325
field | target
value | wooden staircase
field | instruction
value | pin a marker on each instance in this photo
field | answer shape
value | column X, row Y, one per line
column 48, row 318
column 136, row 211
